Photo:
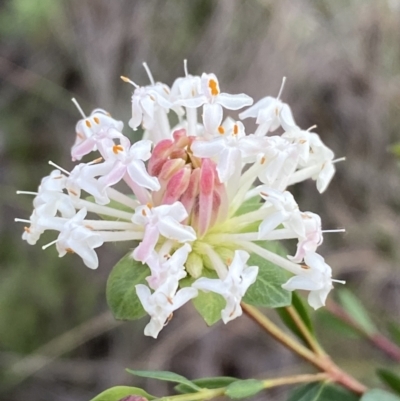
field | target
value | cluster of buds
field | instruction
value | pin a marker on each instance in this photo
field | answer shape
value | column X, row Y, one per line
column 186, row 188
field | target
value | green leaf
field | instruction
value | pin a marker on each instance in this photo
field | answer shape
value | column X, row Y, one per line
column 244, row 388
column 249, row 205
column 206, row 382
column 267, row 291
column 394, row 329
column 113, row 204
column 357, row 311
column 116, row 393
column 331, row 322
column 390, row 378
column 300, row 307
column 321, row 392
column 121, row 291
column 164, row 375
column 208, row 304
column 379, row 395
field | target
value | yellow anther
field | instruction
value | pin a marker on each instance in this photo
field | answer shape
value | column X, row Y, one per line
column 235, row 129
column 125, row 79
column 71, row 191
column 27, row 229
column 221, row 129
column 117, row 148
column 98, row 160
column 69, row 250
column 96, row 120
column 88, row 124
column 144, row 212
column 213, row 85
column 305, row 267
column 149, row 205
column 262, row 161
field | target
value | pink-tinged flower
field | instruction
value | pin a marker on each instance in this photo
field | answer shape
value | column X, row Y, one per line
column 161, row 220
column 128, row 161
column 163, row 267
column 161, row 304
column 285, row 211
column 90, row 130
column 312, row 238
column 317, row 278
column 232, row 287
column 75, row 237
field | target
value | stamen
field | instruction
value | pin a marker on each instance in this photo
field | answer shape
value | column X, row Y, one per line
column 117, row 148
column 88, row 124
column 221, row 129
column 235, row 129
column 312, row 127
column 95, row 161
column 58, row 167
column 22, row 221
column 185, row 67
column 149, row 205
column 339, row 281
column 212, row 84
column 338, row 230
column 146, row 67
column 77, row 105
column 128, row 81
column 69, row 250
column 26, row 193
column 282, row 86
column 49, row 244
column 341, row 159
column 27, row 230
column 96, row 120
column 71, row 191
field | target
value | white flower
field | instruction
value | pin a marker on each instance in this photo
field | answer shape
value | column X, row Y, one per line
column 232, row 147
column 271, row 113
column 286, row 212
column 53, row 182
column 145, row 102
column 213, row 101
column 162, row 303
column 233, row 287
column 75, row 237
column 312, row 238
column 164, row 220
column 165, row 267
column 316, row 279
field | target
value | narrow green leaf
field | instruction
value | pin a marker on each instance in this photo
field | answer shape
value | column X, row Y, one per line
column 121, row 292
column 206, row 382
column 390, row 378
column 321, row 392
column 165, row 376
column 377, row 394
column 267, row 291
column 301, row 309
column 116, row 393
column 244, row 388
column 208, row 304
column 331, row 322
column 356, row 310
column 113, row 204
column 394, row 329
column 249, row 205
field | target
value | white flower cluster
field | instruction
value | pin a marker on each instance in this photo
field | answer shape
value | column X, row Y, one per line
column 186, row 189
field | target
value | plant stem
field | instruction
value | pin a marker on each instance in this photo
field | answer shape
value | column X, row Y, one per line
column 313, row 343
column 206, row 394
column 322, row 362
column 308, row 378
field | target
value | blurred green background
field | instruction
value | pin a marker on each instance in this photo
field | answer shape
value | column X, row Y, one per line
column 342, row 61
